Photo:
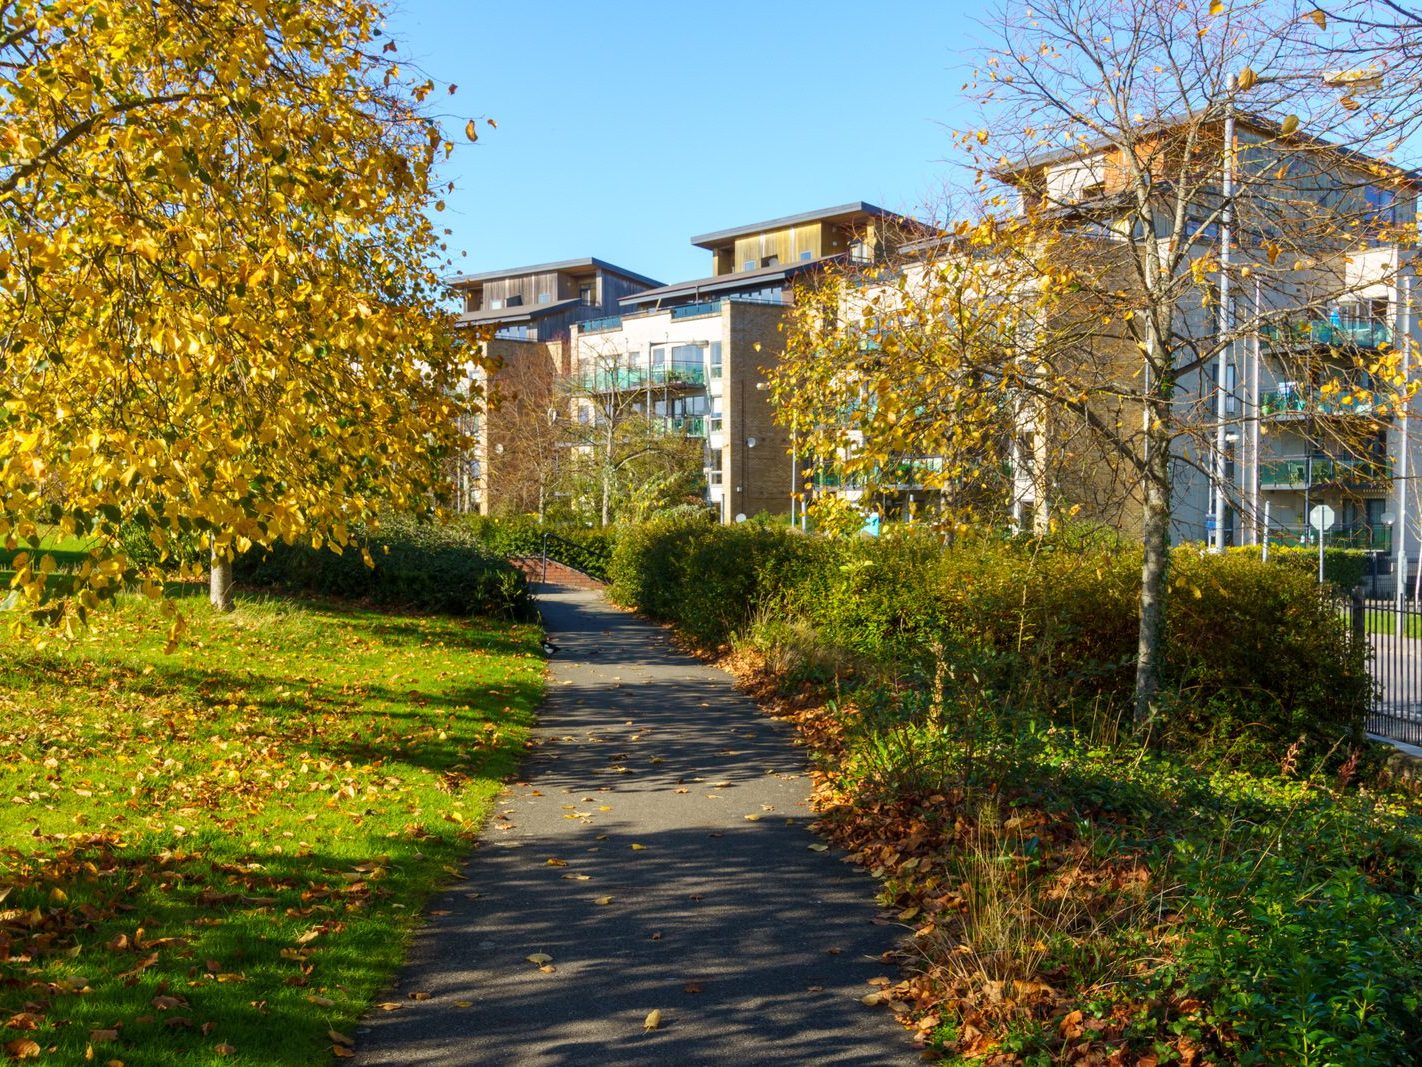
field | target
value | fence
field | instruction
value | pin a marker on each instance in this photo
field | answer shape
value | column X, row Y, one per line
column 1393, row 631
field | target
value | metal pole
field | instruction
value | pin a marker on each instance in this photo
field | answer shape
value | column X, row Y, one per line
column 1254, row 418
column 1266, row 531
column 1226, row 216
column 1404, row 341
column 1320, row 552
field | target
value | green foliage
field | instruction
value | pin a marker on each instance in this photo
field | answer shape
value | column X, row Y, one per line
column 1347, row 568
column 1309, row 967
column 288, row 771
column 1256, row 658
column 442, row 568
column 708, row 578
column 584, row 548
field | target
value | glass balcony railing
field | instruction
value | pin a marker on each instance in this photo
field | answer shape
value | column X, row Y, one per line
column 1329, row 330
column 1296, row 472
column 613, row 379
column 689, row 425
column 692, row 311
column 679, row 374
column 611, row 322
column 1353, row 535
column 1345, row 400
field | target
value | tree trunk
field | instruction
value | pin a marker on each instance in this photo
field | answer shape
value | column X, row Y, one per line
column 219, row 587
column 1155, row 523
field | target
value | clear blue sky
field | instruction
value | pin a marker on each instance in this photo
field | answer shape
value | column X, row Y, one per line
column 626, row 127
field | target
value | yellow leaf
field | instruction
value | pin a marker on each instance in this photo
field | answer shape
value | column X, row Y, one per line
column 539, row 958
column 653, row 1019
column 1319, row 18
column 471, row 131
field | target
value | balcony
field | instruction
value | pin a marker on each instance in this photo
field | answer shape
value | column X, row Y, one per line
column 1332, row 330
column 679, row 374
column 687, row 425
column 716, row 423
column 603, row 325
column 613, row 379
column 1353, row 535
column 1342, row 400
column 1293, row 472
column 696, row 311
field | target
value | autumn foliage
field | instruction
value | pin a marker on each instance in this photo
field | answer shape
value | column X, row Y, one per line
column 215, row 281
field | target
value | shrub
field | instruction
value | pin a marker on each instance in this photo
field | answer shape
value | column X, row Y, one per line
column 439, row 568
column 1347, row 568
column 1255, row 657
column 587, row 549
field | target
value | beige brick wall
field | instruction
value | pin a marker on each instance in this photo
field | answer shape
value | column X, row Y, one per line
column 756, row 478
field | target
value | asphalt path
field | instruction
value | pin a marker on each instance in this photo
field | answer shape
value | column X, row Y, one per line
column 655, row 851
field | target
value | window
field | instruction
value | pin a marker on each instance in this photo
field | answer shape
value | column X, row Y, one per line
column 496, row 305
column 715, row 359
column 805, row 256
column 587, row 295
column 748, row 265
column 770, row 261
column 544, row 297
column 515, row 301
column 1382, row 204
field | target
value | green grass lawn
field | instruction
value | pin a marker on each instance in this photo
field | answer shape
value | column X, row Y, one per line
column 217, row 855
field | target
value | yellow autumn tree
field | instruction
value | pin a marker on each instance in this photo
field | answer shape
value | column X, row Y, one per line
column 218, row 314
column 1189, row 220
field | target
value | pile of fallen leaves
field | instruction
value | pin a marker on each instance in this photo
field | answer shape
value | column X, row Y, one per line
column 953, row 1000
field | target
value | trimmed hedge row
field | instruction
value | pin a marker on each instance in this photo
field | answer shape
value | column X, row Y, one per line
column 1346, row 568
column 582, row 548
column 440, row 568
column 1256, row 656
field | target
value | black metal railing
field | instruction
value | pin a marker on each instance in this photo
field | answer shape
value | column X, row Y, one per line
column 1393, row 631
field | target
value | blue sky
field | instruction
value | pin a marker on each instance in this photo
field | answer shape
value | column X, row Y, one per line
column 626, row 127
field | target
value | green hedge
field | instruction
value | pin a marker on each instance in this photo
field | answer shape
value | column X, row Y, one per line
column 582, row 548
column 1347, row 568
column 1256, row 656
column 439, row 568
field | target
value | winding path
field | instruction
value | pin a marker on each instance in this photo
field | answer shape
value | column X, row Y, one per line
column 656, row 851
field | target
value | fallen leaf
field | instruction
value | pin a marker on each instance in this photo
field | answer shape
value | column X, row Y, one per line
column 340, row 1038
column 341, row 1052
column 819, row 846
column 603, row 900
column 22, row 1049
column 638, row 848
column 419, row 994
column 653, row 1019
column 752, row 818
column 539, row 958
column 101, row 1036
column 321, row 1002
column 224, row 1049
column 691, row 987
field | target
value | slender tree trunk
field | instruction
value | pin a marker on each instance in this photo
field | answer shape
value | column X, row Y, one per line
column 1155, row 523
column 219, row 586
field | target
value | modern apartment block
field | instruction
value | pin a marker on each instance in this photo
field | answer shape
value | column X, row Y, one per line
column 522, row 317
column 694, row 354
column 1304, row 421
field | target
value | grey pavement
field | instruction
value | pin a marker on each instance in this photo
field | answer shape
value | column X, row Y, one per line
column 656, row 850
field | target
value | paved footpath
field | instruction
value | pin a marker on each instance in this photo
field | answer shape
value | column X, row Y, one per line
column 656, row 851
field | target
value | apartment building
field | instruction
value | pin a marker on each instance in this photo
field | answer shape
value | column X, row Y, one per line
column 1307, row 410
column 694, row 354
column 522, row 317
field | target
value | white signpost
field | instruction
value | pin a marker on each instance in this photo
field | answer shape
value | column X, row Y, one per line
column 1320, row 517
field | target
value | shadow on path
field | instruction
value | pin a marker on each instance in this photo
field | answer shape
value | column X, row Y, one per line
column 754, row 947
